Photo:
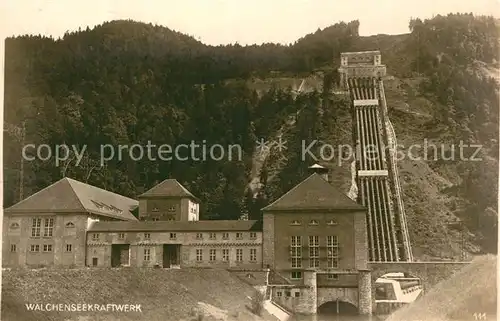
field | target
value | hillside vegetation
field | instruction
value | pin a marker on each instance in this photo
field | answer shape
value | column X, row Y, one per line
column 125, row 83
column 176, row 295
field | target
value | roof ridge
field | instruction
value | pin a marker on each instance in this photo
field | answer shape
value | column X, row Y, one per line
column 70, row 181
column 292, row 189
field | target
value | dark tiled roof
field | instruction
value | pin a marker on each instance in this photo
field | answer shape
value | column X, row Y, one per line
column 313, row 193
column 168, row 188
column 69, row 196
column 160, row 226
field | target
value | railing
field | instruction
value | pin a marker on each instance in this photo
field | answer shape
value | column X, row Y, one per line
column 392, row 140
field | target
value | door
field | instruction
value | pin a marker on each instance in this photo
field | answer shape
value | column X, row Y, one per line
column 170, row 255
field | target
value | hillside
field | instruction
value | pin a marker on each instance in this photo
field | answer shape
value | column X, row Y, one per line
column 477, row 298
column 125, row 83
column 162, row 294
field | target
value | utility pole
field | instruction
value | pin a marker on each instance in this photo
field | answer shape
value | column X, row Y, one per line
column 21, row 170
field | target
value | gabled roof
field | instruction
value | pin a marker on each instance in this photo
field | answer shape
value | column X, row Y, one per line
column 69, row 196
column 313, row 193
column 168, row 188
column 185, row 226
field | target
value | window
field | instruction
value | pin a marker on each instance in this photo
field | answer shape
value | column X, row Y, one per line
column 170, row 217
column 70, row 225
column 288, row 293
column 295, row 222
column 212, row 255
column 47, row 247
column 331, row 222
column 212, row 236
column 297, row 294
column 225, row 255
column 225, row 236
column 48, row 227
column 121, row 236
column 314, row 251
column 155, row 219
column 332, row 246
column 199, row 236
column 313, row 222
column 155, row 208
column 171, row 209
column 147, row 254
column 253, row 255
column 239, row 255
column 239, row 236
column 253, row 235
column 69, row 247
column 95, row 236
column 296, row 251
column 35, row 248
column 199, row 255
column 296, row 275
column 279, row 294
column 13, row 247
column 173, row 236
column 147, row 236
column 35, row 227
column 332, row 276
column 14, row 225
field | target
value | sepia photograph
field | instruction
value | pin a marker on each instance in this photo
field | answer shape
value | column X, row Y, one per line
column 216, row 160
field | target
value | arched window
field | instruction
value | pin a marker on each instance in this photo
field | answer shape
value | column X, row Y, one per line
column 332, row 222
column 313, row 222
column 70, row 224
column 295, row 222
column 14, row 225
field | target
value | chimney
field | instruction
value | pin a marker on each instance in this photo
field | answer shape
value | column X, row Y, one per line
column 320, row 170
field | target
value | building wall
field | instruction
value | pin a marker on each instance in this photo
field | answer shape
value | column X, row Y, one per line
column 163, row 209
column 62, row 235
column 189, row 241
column 345, row 231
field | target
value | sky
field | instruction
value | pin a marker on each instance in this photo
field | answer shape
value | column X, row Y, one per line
column 229, row 21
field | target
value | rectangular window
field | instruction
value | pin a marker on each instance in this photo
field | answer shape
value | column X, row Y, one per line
column 199, row 236
column 13, row 247
column 253, row 235
column 225, row 236
column 69, row 247
column 332, row 276
column 212, row 236
column 225, row 255
column 147, row 254
column 35, row 248
column 314, row 251
column 121, row 236
column 173, row 236
column 35, row 227
column 253, row 255
column 147, row 236
column 95, row 236
column 48, row 227
column 239, row 236
column 199, row 255
column 212, row 255
column 239, row 255
column 155, row 219
column 47, row 248
column 296, row 251
column 279, row 294
column 296, row 275
column 332, row 247
column 297, row 294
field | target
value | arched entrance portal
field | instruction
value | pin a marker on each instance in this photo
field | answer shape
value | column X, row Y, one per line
column 337, row 307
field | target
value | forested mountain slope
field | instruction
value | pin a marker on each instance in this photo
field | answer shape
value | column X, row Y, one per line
column 126, row 83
